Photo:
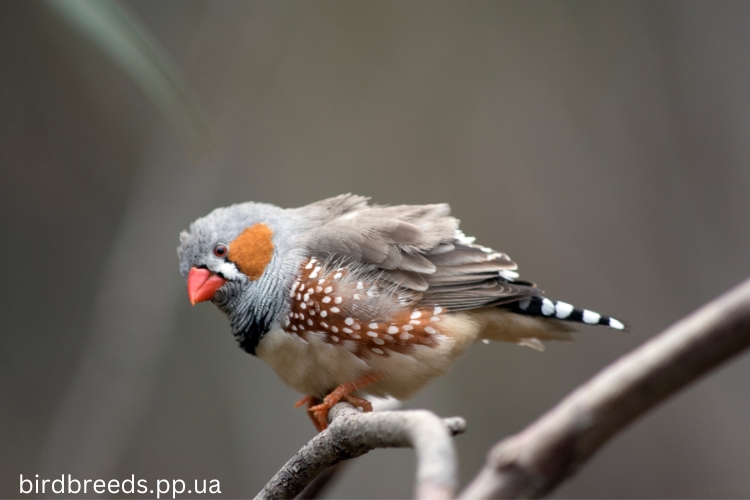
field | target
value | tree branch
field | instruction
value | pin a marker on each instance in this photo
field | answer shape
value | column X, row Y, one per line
column 321, row 482
column 352, row 434
column 533, row 462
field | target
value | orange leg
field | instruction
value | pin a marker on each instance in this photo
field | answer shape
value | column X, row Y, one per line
column 319, row 413
column 310, row 401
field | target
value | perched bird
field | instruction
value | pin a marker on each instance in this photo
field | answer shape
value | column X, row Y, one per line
column 343, row 298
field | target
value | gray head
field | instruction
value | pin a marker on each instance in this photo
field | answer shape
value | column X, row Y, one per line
column 244, row 259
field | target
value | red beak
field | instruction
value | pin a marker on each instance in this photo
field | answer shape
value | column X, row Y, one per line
column 202, row 284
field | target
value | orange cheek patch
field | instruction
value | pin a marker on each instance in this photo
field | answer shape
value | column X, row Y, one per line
column 252, row 250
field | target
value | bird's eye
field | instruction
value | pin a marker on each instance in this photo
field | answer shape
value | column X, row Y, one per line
column 221, row 250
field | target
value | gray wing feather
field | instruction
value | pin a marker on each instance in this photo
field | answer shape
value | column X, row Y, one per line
column 392, row 238
column 435, row 281
column 407, row 279
column 440, row 249
column 415, row 247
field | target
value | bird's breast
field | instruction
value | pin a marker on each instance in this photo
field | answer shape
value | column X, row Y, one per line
column 340, row 327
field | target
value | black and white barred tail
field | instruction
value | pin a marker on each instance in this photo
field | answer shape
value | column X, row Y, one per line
column 555, row 309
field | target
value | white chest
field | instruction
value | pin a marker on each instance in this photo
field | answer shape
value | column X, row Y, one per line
column 310, row 366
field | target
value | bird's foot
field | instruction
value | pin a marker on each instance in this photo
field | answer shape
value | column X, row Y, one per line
column 310, row 402
column 319, row 413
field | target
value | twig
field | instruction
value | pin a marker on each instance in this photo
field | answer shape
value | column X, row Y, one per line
column 352, row 434
column 533, row 462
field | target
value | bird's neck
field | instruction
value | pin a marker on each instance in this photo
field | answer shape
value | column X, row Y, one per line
column 250, row 335
column 252, row 314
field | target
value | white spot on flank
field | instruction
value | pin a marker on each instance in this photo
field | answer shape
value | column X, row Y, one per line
column 323, row 314
column 360, row 286
column 379, row 341
column 354, row 336
column 405, row 336
column 508, row 274
column 335, row 310
column 563, row 310
column 374, row 326
column 334, row 338
column 392, row 329
column 299, row 296
column 388, row 338
column 430, row 330
column 324, row 324
column 321, row 281
column 318, row 289
column 356, row 326
column 312, row 312
column 328, row 289
column 591, row 317
column 306, row 297
column 416, row 314
column 338, row 300
column 356, row 296
column 303, row 305
column 416, row 321
column 294, row 328
column 310, row 290
column 485, row 341
column 310, row 264
column 406, row 328
column 326, row 299
column 286, row 321
column 310, row 322
column 349, row 321
column 347, row 330
column 548, row 308
column 524, row 304
column 437, row 310
column 336, row 276
column 613, row 323
column 377, row 350
column 372, row 334
column 434, row 319
column 462, row 238
column 334, row 329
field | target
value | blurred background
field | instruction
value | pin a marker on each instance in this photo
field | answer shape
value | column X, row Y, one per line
column 603, row 145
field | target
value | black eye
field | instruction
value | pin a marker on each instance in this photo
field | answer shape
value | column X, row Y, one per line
column 221, row 250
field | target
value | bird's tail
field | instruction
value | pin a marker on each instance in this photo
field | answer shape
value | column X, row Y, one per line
column 543, row 307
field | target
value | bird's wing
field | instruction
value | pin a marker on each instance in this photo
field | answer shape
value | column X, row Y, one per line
column 416, row 247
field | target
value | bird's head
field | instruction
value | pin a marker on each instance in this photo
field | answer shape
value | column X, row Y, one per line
column 243, row 258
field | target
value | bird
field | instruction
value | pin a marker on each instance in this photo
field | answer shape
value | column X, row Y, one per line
column 347, row 299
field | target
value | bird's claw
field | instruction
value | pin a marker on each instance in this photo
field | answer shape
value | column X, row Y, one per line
column 319, row 413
